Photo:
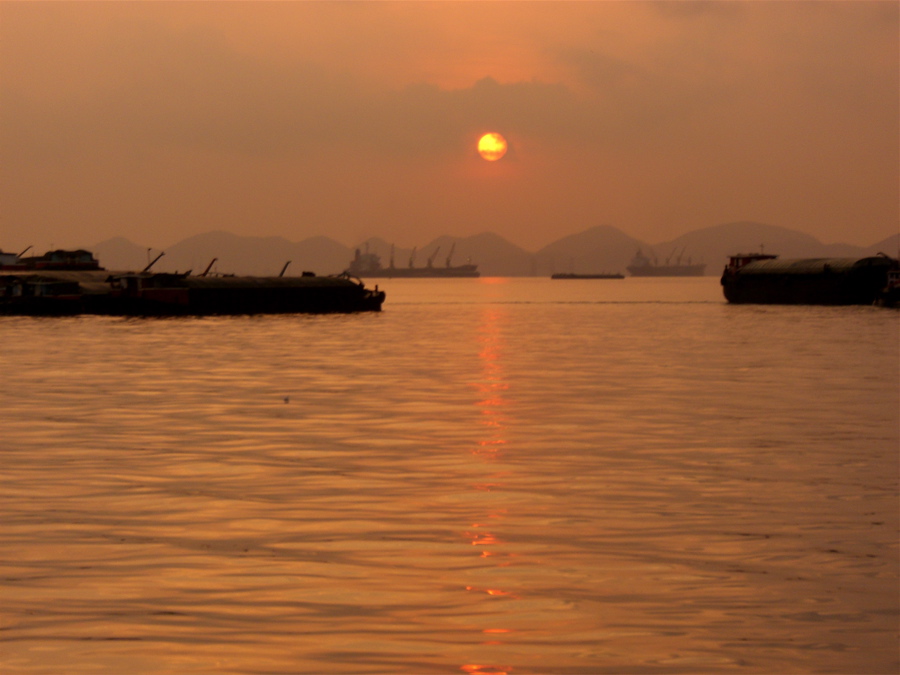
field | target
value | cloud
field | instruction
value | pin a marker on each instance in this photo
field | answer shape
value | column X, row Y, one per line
column 652, row 112
column 192, row 89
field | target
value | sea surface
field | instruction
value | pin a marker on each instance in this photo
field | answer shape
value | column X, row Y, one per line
column 490, row 476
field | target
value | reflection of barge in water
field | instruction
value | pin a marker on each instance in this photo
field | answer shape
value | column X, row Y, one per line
column 28, row 289
column 765, row 279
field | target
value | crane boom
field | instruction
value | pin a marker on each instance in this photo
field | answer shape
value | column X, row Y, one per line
column 209, row 267
column 450, row 255
column 153, row 262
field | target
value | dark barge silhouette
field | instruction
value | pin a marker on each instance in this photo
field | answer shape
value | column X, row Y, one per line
column 31, row 287
column 761, row 278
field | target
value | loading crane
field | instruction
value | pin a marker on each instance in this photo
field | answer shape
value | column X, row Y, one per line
column 153, row 262
column 209, row 267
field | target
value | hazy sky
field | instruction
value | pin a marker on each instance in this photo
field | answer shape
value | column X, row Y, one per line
column 158, row 120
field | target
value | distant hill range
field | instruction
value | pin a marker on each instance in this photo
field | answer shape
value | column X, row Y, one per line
column 599, row 249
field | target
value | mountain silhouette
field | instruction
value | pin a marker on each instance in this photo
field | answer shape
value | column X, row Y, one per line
column 602, row 248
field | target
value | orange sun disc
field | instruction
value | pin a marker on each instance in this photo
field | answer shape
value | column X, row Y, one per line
column 492, row 146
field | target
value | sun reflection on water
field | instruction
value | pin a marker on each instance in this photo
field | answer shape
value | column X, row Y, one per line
column 492, row 385
column 477, row 669
column 482, row 532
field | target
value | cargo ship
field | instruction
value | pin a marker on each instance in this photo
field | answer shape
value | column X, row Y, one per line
column 761, row 278
column 642, row 266
column 28, row 287
column 368, row 265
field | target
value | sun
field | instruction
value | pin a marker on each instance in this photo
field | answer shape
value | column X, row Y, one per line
column 492, row 146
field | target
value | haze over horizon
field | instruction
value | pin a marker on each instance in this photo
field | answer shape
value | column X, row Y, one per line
column 158, row 121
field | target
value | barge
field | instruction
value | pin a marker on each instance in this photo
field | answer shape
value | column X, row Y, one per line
column 27, row 289
column 761, row 278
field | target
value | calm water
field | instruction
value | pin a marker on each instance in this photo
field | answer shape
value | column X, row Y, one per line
column 491, row 476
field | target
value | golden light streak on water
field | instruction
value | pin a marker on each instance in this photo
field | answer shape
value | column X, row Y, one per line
column 500, row 476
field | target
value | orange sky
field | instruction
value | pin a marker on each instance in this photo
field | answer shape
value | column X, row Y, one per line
column 158, row 120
